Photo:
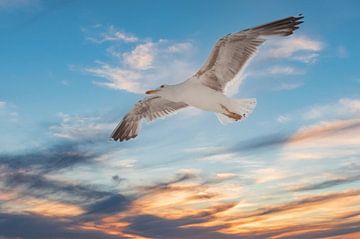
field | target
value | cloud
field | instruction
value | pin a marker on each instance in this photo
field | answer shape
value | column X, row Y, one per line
column 181, row 47
column 8, row 113
column 59, row 156
column 264, row 175
column 326, row 184
column 147, row 65
column 2, row 105
column 297, row 48
column 76, row 127
column 334, row 133
column 241, row 224
column 284, row 70
column 275, row 56
column 157, row 227
column 326, row 133
column 39, row 186
column 165, row 186
column 110, row 205
column 341, row 230
column 39, row 227
column 306, row 202
column 118, row 78
column 142, row 57
column 112, row 35
column 288, row 86
column 283, row 119
column 117, row 179
column 344, row 108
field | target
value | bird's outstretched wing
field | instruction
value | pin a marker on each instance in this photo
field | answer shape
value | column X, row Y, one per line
column 149, row 108
column 231, row 52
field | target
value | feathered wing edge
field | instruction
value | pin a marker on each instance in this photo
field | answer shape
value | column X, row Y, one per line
column 150, row 108
column 126, row 129
column 282, row 27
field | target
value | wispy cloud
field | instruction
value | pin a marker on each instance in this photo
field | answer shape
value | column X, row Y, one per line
column 288, row 86
column 111, row 34
column 58, row 156
column 297, row 48
column 326, row 184
column 344, row 108
column 41, row 227
column 328, row 130
column 283, row 57
column 283, row 119
column 2, row 105
column 332, row 133
column 142, row 57
column 147, row 65
column 185, row 204
column 76, row 127
column 284, row 70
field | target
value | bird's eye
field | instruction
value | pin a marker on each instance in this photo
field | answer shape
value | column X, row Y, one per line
column 162, row 86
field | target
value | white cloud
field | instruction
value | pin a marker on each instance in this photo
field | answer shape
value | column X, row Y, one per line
column 142, row 57
column 146, row 66
column 306, row 58
column 126, row 163
column 220, row 157
column 113, row 35
column 275, row 56
column 284, row 70
column 225, row 175
column 345, row 107
column 283, row 119
column 288, row 86
column 329, row 140
column 118, row 78
column 80, row 127
column 299, row 48
column 264, row 175
column 2, row 104
column 181, row 47
column 8, row 112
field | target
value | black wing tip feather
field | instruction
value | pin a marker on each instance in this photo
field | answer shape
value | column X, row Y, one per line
column 285, row 26
column 123, row 139
column 121, row 132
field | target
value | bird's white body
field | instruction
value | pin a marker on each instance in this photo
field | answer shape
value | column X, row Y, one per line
column 195, row 94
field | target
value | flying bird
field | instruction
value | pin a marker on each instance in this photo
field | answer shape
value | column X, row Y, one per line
column 205, row 89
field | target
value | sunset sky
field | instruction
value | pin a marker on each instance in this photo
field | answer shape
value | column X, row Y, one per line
column 70, row 70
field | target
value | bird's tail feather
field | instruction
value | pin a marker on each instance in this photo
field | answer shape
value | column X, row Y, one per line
column 243, row 107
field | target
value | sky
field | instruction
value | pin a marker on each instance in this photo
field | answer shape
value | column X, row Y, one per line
column 70, row 70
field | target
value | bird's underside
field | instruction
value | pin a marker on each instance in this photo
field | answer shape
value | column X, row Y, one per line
column 228, row 57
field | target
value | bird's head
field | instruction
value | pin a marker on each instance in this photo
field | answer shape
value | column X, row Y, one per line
column 163, row 89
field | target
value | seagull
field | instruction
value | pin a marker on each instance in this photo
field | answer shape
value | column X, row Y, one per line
column 205, row 89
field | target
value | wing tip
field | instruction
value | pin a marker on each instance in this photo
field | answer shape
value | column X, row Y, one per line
column 284, row 27
column 122, row 138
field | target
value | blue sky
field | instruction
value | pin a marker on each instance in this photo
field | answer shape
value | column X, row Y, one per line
column 70, row 70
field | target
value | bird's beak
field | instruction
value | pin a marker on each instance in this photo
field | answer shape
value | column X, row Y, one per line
column 149, row 92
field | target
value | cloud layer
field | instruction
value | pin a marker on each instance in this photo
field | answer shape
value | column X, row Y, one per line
column 146, row 65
